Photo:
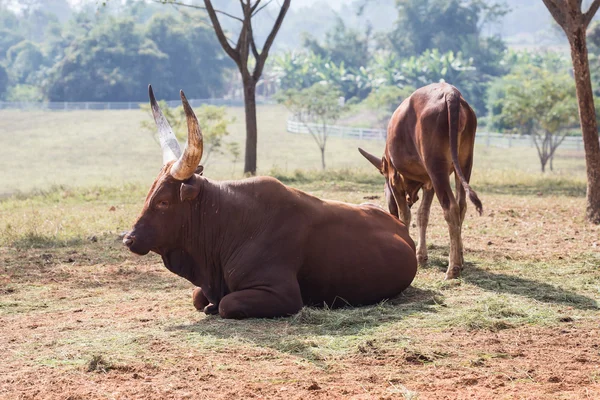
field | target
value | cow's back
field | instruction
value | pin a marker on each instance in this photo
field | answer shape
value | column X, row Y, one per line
column 420, row 128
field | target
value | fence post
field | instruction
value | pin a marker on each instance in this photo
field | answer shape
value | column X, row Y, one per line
column 509, row 141
column 360, row 133
column 487, row 139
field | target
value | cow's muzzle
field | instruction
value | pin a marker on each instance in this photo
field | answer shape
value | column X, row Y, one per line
column 130, row 241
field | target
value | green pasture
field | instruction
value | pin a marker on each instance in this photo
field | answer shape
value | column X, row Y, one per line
column 40, row 149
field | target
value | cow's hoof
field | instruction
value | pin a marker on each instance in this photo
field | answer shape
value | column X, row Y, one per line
column 453, row 272
column 422, row 260
column 211, row 309
column 200, row 301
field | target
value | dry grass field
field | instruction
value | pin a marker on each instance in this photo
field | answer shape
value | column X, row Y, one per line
column 82, row 318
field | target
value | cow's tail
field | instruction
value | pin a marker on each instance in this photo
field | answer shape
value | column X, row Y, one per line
column 453, row 103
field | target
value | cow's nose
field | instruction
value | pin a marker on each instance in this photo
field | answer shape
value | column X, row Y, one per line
column 128, row 240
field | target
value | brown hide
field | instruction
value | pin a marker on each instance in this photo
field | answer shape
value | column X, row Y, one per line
column 430, row 136
column 257, row 248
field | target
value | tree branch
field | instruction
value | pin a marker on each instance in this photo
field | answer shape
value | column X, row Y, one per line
column 557, row 143
column 263, row 6
column 260, row 62
column 176, row 3
column 558, row 12
column 243, row 45
column 252, row 8
column 235, row 56
column 537, row 146
column 589, row 14
column 253, row 43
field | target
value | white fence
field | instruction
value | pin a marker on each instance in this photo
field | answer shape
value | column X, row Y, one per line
column 486, row 138
column 127, row 105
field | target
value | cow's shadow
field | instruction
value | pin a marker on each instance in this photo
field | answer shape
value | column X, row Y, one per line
column 515, row 285
column 299, row 334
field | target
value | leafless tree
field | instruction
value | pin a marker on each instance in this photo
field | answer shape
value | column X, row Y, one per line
column 249, row 58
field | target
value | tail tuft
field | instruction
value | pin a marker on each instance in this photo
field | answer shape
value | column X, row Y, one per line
column 475, row 200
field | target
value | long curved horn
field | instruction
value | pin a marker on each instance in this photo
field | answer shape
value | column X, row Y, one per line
column 377, row 162
column 166, row 137
column 185, row 166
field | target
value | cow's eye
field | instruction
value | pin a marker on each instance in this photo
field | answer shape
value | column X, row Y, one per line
column 162, row 204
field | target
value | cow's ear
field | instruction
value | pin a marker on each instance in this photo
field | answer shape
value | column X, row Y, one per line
column 384, row 166
column 190, row 188
column 199, row 170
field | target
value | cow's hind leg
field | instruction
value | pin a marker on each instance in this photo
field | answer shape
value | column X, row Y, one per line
column 262, row 302
column 461, row 199
column 461, row 196
column 422, row 221
column 441, row 184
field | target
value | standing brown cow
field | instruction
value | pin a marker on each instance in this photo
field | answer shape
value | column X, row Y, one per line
column 431, row 134
column 257, row 248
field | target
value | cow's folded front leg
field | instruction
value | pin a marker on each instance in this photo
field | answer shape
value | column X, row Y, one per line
column 199, row 299
column 201, row 303
column 211, row 309
column 263, row 302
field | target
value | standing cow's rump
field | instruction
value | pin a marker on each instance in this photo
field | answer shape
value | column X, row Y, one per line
column 257, row 248
column 430, row 136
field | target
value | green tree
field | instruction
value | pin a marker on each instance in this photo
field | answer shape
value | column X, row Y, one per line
column 190, row 47
column 342, row 45
column 298, row 69
column 116, row 58
column 3, row 81
column 440, row 24
column 317, row 107
column 213, row 121
column 519, row 61
column 24, row 61
column 384, row 100
column 433, row 66
column 542, row 104
column 112, row 62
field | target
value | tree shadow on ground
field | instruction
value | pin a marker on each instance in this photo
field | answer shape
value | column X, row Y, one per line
column 540, row 291
column 515, row 285
column 541, row 188
column 297, row 334
column 32, row 240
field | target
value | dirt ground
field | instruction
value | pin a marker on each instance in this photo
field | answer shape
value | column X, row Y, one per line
column 525, row 363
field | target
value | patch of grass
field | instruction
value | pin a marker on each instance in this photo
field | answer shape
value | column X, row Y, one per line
column 332, row 176
column 34, row 240
column 99, row 364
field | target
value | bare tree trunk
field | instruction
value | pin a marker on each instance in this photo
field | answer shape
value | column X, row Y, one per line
column 574, row 22
column 543, row 162
column 251, row 126
column 587, row 115
column 323, row 157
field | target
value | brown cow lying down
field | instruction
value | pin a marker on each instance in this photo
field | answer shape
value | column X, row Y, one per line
column 430, row 136
column 257, row 248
